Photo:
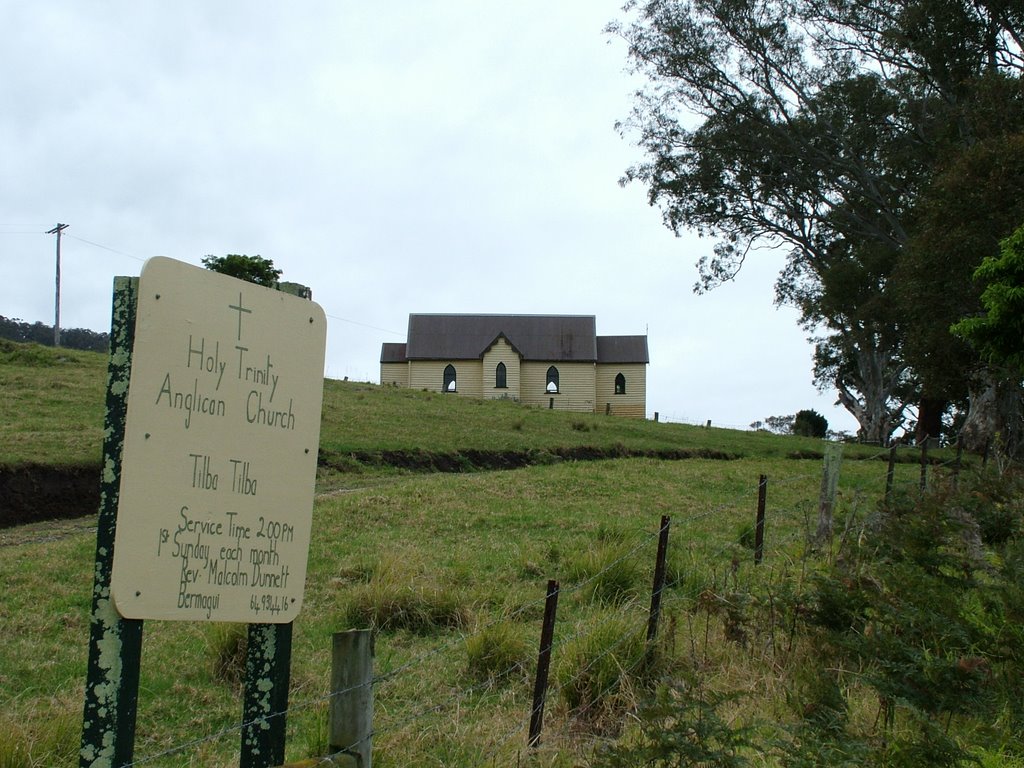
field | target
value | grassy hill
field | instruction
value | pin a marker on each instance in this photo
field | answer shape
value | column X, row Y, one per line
column 51, row 424
column 52, row 414
column 52, row 406
column 450, row 569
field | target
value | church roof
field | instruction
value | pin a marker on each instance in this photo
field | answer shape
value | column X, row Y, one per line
column 549, row 338
column 392, row 353
column 565, row 338
column 622, row 349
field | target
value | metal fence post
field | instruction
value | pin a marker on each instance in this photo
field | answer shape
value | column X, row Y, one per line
column 762, row 500
column 659, row 580
column 540, row 686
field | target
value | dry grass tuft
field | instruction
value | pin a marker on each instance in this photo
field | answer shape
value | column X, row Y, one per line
column 229, row 644
column 46, row 737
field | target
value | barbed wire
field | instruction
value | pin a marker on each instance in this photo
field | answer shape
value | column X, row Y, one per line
column 632, row 547
column 584, row 628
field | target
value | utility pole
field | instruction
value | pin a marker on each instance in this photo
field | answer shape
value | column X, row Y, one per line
column 56, row 302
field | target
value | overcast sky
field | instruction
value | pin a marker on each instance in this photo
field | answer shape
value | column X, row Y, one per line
column 428, row 156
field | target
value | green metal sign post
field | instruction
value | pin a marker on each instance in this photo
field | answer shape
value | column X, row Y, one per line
column 115, row 643
column 265, row 700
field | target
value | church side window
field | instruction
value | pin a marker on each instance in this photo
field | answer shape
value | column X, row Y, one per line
column 620, row 384
column 552, row 381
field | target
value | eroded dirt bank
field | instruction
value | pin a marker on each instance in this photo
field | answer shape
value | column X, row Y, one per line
column 32, row 493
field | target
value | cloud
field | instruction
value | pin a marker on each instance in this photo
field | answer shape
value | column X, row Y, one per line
column 438, row 156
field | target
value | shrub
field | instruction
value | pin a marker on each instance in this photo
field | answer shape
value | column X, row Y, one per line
column 682, row 725
column 810, row 423
column 923, row 618
column 995, row 503
column 999, row 521
column 733, row 607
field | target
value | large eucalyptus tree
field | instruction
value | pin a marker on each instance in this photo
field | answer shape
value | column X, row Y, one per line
column 815, row 126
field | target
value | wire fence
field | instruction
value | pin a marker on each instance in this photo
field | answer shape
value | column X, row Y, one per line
column 723, row 556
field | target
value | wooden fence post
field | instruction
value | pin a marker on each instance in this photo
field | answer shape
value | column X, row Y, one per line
column 265, row 700
column 762, row 501
column 540, row 685
column 924, row 464
column 659, row 580
column 829, row 485
column 351, row 723
column 115, row 643
column 958, row 463
column 890, row 475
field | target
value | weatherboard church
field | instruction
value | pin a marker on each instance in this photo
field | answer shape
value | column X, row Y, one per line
column 552, row 361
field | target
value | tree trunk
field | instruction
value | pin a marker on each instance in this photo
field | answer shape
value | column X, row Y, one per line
column 875, row 406
column 929, row 419
column 870, row 415
column 994, row 416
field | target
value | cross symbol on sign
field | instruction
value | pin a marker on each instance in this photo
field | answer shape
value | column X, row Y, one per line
column 240, row 309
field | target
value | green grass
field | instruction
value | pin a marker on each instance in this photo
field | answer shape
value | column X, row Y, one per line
column 53, row 405
column 367, row 417
column 490, row 539
column 52, row 408
column 461, row 561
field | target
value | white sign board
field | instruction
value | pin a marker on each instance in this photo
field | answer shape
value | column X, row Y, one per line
column 220, row 449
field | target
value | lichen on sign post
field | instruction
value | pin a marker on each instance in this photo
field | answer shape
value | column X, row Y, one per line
column 220, row 450
column 115, row 643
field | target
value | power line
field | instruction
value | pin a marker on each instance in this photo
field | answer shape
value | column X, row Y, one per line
column 333, row 317
column 138, row 258
column 105, row 248
column 363, row 325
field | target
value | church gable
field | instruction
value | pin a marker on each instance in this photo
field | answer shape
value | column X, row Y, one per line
column 501, row 370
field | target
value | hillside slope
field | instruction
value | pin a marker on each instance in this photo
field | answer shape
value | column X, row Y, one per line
column 52, row 428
